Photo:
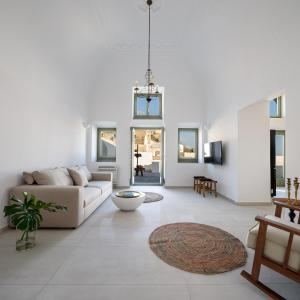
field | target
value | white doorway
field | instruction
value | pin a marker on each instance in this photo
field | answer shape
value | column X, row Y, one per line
column 147, row 156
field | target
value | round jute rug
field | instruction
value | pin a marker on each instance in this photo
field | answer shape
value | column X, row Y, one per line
column 197, row 248
column 152, row 197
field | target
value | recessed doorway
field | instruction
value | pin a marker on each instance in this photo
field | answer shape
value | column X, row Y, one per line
column 147, row 156
column 277, row 144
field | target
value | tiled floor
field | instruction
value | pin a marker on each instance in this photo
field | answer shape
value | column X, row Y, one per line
column 147, row 178
column 108, row 256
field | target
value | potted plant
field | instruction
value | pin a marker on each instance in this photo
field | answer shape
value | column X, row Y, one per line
column 26, row 217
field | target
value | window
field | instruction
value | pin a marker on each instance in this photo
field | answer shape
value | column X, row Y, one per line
column 106, row 144
column 188, row 145
column 147, row 110
column 275, row 108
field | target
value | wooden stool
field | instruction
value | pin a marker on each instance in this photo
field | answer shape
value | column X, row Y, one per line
column 197, row 183
column 210, row 186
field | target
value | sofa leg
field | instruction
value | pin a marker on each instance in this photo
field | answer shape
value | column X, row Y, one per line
column 261, row 286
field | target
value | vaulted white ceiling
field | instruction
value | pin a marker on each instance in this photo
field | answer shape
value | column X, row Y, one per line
column 80, row 37
column 124, row 23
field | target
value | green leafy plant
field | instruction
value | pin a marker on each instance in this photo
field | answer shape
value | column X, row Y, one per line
column 26, row 215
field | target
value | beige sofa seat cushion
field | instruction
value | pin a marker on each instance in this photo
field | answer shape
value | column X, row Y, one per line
column 90, row 194
column 78, row 176
column 276, row 243
column 28, row 178
column 58, row 176
column 104, row 186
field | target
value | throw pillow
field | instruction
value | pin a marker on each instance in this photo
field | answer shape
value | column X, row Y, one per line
column 87, row 172
column 28, row 178
column 78, row 177
column 52, row 177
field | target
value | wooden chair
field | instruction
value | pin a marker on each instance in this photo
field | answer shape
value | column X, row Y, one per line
column 138, row 169
column 277, row 246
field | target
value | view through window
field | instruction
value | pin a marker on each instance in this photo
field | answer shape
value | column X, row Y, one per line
column 147, row 110
column 188, row 145
column 275, row 108
column 106, row 144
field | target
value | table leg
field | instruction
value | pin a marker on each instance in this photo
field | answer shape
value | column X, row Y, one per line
column 278, row 211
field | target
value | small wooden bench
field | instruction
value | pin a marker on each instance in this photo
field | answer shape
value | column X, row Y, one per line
column 203, row 184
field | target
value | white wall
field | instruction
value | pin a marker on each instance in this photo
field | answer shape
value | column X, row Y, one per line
column 254, row 153
column 40, row 115
column 224, row 129
column 247, row 55
column 112, row 102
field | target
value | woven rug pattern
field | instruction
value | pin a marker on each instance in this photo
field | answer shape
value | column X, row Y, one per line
column 197, row 248
column 152, row 197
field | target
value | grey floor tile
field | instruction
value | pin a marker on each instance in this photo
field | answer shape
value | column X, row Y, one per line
column 19, row 292
column 114, row 292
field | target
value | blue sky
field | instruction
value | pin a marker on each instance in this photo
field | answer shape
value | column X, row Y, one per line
column 153, row 105
column 187, row 138
column 273, row 108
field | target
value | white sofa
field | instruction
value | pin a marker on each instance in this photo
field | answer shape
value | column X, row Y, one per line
column 80, row 201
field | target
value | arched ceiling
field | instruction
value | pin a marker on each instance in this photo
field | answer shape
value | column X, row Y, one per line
column 80, row 37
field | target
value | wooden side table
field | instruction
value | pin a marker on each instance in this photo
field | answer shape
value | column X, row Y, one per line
column 283, row 203
column 138, row 169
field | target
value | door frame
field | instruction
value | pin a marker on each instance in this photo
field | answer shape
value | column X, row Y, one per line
column 281, row 132
column 162, row 156
column 273, row 162
column 273, row 169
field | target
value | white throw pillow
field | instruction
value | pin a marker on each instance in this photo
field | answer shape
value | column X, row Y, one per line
column 28, row 178
column 78, row 176
column 52, row 177
column 87, row 172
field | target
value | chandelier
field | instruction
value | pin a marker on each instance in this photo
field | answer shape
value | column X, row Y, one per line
column 150, row 86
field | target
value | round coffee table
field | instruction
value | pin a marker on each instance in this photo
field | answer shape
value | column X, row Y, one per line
column 128, row 200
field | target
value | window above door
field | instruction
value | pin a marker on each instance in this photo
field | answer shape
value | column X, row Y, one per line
column 147, row 110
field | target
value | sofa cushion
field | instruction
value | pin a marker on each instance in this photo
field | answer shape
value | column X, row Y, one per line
column 78, row 176
column 56, row 176
column 87, row 172
column 104, row 186
column 90, row 195
column 28, row 178
column 276, row 243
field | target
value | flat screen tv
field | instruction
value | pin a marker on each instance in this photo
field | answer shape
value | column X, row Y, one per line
column 213, row 153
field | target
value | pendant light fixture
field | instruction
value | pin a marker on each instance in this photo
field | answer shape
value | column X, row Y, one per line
column 150, row 86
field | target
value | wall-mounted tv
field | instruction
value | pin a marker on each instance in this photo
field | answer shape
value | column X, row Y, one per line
column 213, row 153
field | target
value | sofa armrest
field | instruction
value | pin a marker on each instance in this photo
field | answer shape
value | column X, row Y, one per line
column 70, row 196
column 99, row 176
